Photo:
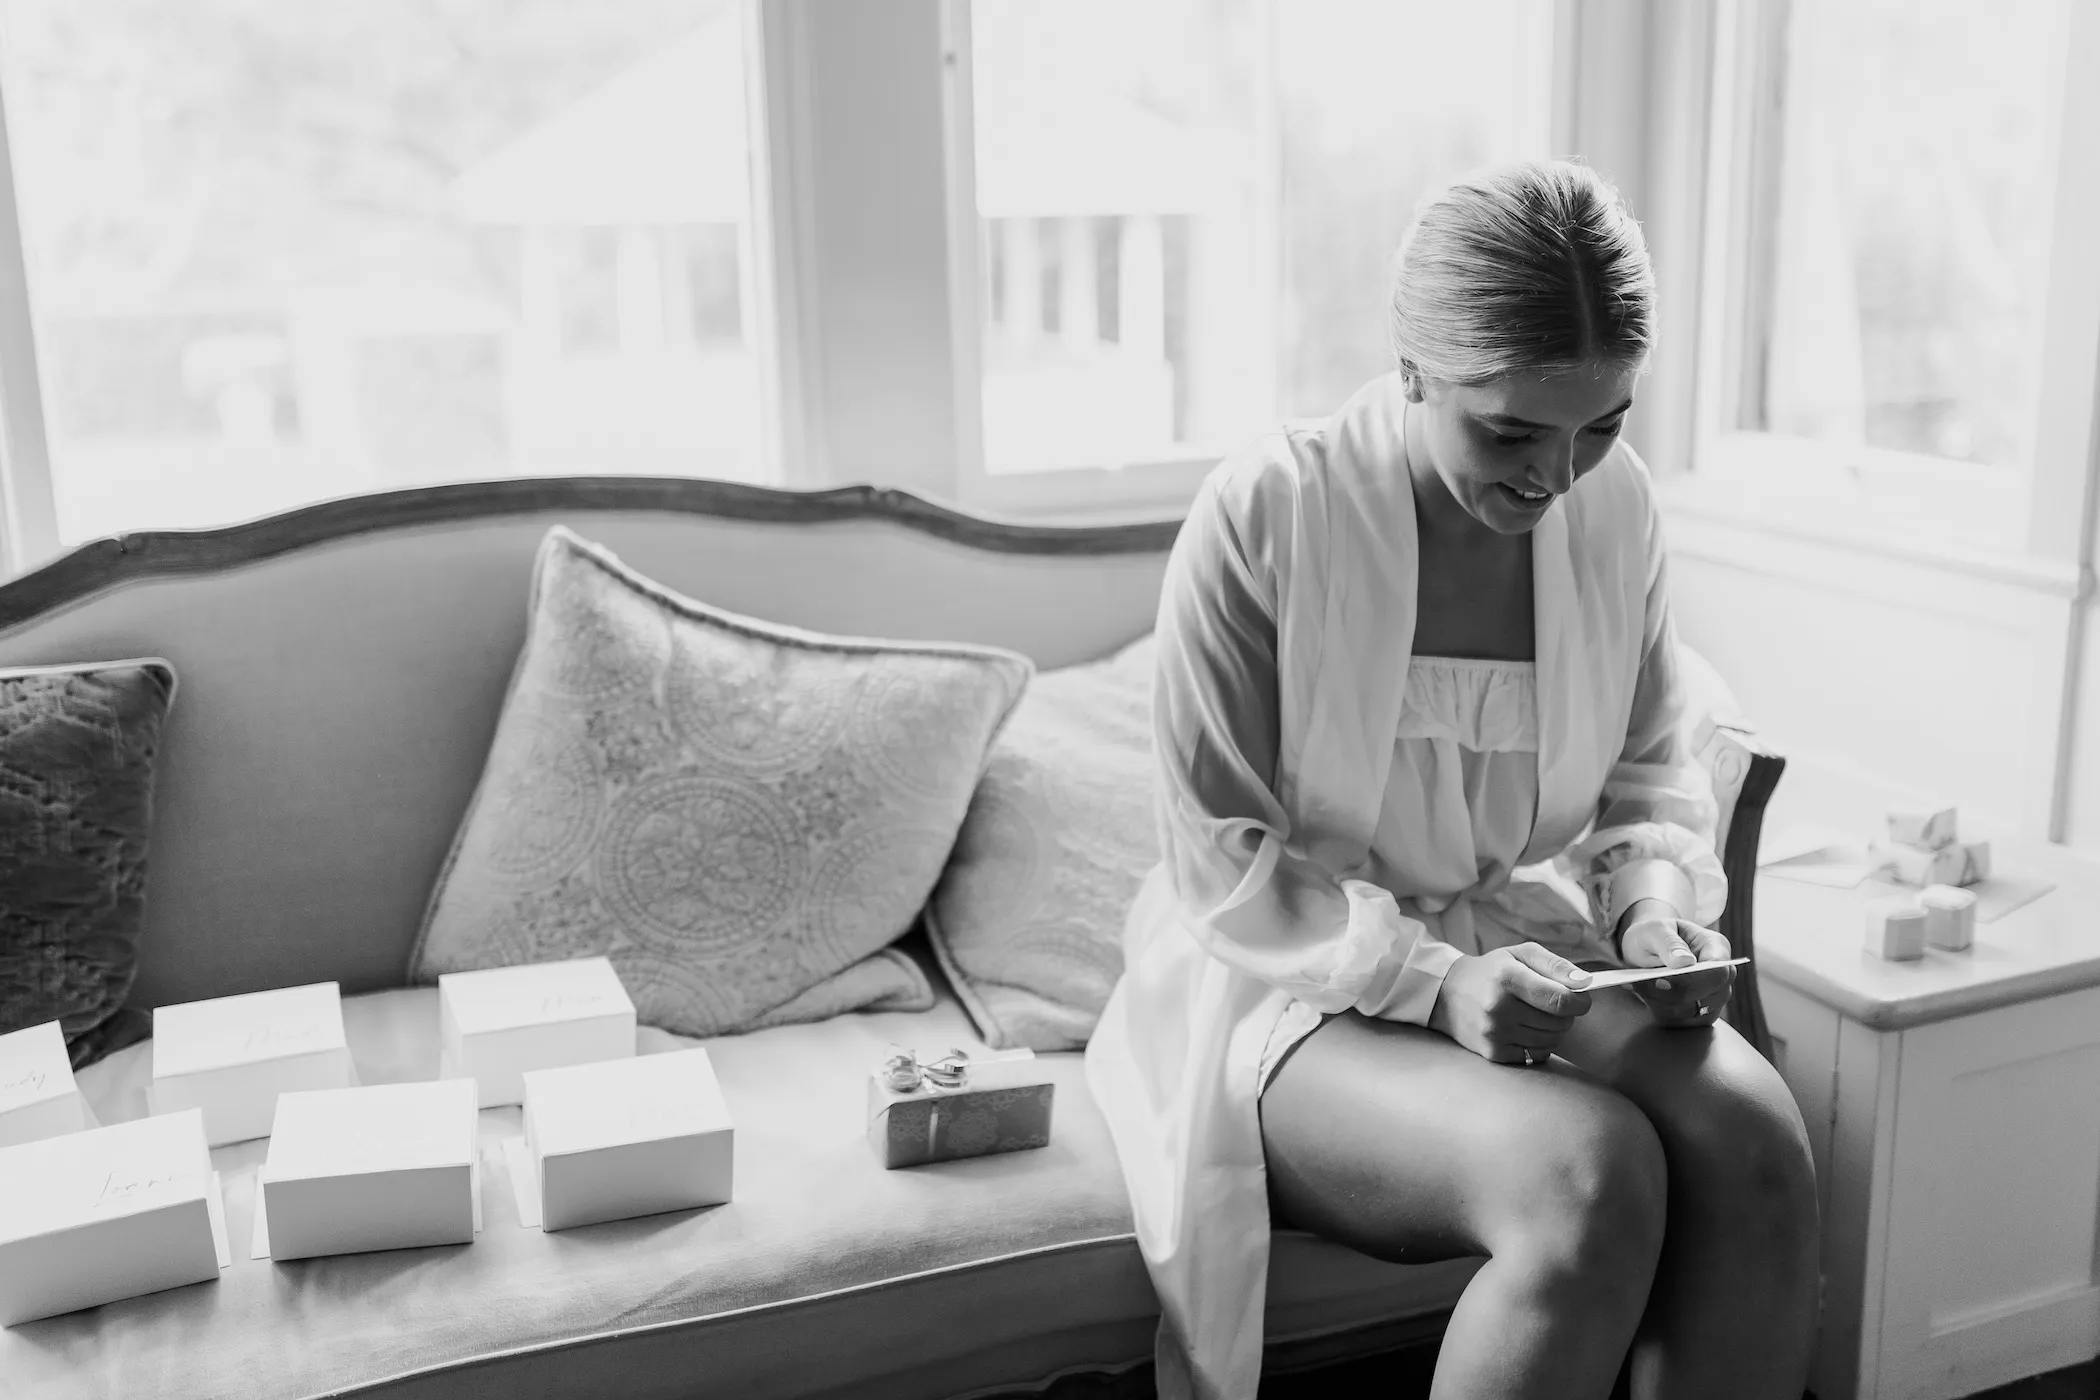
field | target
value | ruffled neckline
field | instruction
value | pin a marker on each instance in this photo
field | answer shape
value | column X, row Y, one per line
column 1484, row 705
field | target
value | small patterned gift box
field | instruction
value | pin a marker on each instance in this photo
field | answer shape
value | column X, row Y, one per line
column 936, row 1107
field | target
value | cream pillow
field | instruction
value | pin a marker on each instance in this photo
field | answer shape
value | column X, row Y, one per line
column 741, row 815
column 1028, row 918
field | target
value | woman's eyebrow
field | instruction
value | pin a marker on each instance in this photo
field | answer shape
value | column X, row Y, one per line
column 1506, row 420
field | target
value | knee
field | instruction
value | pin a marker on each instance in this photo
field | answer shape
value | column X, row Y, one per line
column 1743, row 1145
column 1592, row 1195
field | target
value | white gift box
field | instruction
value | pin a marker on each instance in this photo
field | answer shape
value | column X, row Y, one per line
column 87, row 1218
column 1896, row 930
column 495, row 1025
column 38, row 1098
column 232, row 1056
column 1928, row 827
column 1950, row 918
column 1915, row 865
column 623, row 1138
column 390, row 1166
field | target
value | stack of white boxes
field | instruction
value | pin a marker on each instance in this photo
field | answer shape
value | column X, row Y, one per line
column 91, row 1215
column 1923, row 849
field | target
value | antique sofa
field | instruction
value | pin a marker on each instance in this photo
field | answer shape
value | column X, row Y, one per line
column 342, row 669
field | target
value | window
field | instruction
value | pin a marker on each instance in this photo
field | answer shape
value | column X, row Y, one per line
column 279, row 253
column 1188, row 209
column 1884, row 206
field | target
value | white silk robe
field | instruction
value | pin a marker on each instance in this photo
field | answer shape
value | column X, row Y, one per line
column 1285, row 629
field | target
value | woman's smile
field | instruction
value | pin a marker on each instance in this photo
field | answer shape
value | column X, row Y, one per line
column 1524, row 499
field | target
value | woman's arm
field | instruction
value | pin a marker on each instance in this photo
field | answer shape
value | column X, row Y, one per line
column 1243, row 889
column 1653, row 837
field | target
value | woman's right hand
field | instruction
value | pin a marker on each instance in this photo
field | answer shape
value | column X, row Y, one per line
column 1511, row 1005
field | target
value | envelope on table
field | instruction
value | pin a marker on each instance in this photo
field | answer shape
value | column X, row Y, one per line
column 90, row 1217
column 495, row 1024
column 390, row 1166
column 38, row 1098
column 232, row 1056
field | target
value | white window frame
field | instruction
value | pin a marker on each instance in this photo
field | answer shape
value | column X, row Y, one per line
column 864, row 281
column 28, row 512
column 1890, row 504
column 1144, row 486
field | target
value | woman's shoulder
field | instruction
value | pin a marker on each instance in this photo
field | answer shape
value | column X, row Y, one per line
column 1259, row 490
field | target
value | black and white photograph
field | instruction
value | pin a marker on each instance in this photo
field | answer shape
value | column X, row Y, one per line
column 1049, row 700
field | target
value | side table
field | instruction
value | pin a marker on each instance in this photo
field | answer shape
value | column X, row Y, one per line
column 1953, row 1107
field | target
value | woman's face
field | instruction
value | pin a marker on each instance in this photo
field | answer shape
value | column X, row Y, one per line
column 1506, row 450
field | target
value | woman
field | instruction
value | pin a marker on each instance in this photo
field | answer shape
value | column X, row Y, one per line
column 1417, row 714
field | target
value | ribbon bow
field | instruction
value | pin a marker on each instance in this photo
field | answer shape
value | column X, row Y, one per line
column 904, row 1071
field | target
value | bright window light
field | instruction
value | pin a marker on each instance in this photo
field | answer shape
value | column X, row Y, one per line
column 286, row 252
column 1909, row 229
column 1189, row 207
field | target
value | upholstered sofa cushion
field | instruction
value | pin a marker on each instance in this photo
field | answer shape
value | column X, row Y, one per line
column 825, row 1277
column 77, row 749
column 741, row 815
column 1028, row 917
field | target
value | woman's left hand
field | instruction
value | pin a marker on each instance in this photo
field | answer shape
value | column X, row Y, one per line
column 1655, row 937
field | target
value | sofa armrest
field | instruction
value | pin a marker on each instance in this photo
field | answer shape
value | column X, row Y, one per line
column 1745, row 771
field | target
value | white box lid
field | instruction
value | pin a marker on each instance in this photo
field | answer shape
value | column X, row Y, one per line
column 75, row 1179
column 377, row 1128
column 578, row 1108
column 502, row 998
column 34, row 1066
column 195, row 1036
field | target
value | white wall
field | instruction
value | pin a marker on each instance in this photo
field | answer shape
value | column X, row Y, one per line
column 1943, row 680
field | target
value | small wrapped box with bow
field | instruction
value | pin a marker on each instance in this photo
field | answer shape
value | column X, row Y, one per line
column 936, row 1107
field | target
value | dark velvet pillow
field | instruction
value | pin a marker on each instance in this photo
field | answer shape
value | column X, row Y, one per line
column 77, row 745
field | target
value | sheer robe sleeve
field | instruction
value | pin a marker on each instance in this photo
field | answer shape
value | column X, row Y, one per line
column 1653, row 836
column 1243, row 888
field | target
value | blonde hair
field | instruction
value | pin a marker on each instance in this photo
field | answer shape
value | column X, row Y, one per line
column 1537, row 266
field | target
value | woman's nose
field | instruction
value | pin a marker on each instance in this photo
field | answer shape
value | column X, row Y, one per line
column 1556, row 472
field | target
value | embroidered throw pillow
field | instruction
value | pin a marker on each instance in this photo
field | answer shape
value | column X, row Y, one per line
column 1028, row 918
column 741, row 815
column 77, row 749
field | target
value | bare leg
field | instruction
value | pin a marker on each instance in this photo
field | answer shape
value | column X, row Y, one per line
column 1734, row 1309
column 1398, row 1142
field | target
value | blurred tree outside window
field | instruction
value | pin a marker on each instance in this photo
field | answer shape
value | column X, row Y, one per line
column 1190, row 207
column 1909, row 235
column 285, row 252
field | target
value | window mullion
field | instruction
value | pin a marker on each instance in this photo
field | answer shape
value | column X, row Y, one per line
column 2066, row 411
column 2064, row 473
column 854, row 102
column 28, row 510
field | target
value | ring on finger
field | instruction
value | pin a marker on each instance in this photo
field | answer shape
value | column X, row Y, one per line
column 1531, row 1059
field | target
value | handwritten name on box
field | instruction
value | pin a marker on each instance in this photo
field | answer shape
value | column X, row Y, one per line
column 38, row 1098
column 232, row 1056
column 390, row 1166
column 622, row 1138
column 91, row 1217
column 496, row 1024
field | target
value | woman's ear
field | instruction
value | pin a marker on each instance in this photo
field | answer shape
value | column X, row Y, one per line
column 1410, row 383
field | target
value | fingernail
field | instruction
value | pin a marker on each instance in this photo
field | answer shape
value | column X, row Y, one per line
column 1662, row 984
column 1578, row 975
